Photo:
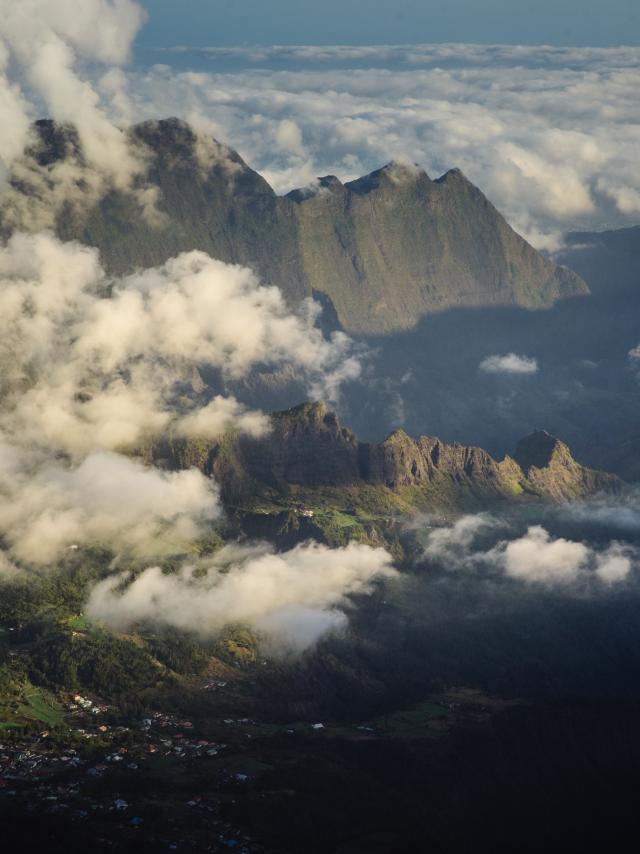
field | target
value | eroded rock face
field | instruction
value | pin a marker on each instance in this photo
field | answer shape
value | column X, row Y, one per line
column 384, row 250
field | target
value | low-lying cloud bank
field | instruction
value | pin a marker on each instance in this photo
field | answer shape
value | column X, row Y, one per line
column 478, row 542
column 606, row 513
column 292, row 598
column 415, row 55
column 92, row 367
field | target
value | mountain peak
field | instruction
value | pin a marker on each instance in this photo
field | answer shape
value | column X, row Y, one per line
column 538, row 449
column 452, row 175
column 309, row 411
column 323, row 186
column 393, row 174
column 549, row 466
column 309, row 449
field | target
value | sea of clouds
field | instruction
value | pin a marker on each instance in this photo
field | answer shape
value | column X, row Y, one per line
column 549, row 134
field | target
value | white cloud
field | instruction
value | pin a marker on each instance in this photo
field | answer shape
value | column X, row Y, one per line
column 91, row 366
column 211, row 420
column 511, row 363
column 539, row 558
column 107, row 499
column 82, row 371
column 608, row 512
column 43, row 46
column 453, row 543
column 293, row 597
column 536, row 557
column 615, row 563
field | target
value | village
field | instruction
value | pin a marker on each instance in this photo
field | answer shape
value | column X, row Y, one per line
column 182, row 784
column 107, row 777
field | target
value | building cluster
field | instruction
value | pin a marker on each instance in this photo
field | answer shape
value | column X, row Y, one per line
column 88, row 782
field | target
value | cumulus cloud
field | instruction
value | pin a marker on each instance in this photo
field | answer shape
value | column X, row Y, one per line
column 92, row 367
column 511, row 363
column 293, row 597
column 615, row 563
column 93, row 364
column 107, row 499
column 535, row 557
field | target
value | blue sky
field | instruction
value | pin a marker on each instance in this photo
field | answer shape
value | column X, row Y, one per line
column 233, row 22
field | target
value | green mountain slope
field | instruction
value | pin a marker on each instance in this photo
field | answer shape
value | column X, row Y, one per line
column 385, row 249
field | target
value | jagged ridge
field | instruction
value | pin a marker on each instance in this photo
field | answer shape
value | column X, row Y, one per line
column 385, row 249
column 310, row 458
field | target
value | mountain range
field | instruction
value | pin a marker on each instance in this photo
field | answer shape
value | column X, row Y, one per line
column 426, row 273
column 384, row 250
column 314, row 476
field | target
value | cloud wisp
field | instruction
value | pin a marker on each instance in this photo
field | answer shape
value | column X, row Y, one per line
column 292, row 598
column 56, row 62
column 510, row 363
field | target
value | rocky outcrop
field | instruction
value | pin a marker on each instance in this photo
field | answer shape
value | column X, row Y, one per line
column 383, row 250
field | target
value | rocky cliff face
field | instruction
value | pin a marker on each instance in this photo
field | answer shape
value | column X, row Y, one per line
column 384, row 250
column 395, row 245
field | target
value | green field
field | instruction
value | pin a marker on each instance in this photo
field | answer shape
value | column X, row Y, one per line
column 38, row 707
column 78, row 623
column 424, row 720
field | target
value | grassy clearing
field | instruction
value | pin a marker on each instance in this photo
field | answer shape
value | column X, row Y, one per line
column 78, row 623
column 425, row 720
column 40, row 708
